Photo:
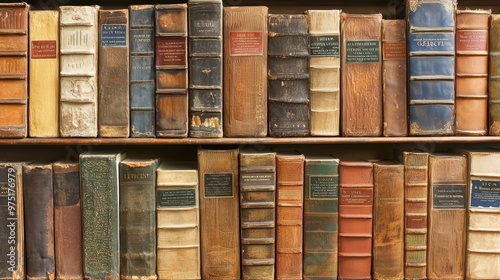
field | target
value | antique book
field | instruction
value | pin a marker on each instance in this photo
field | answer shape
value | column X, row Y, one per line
column 355, row 219
column 13, row 70
column 321, row 213
column 138, row 218
column 388, row 220
column 205, row 68
column 12, row 256
column 114, row 97
column 288, row 75
column 78, row 71
column 178, row 216
column 39, row 220
column 494, row 76
column 219, row 219
column 67, row 220
column 171, row 70
column 257, row 214
column 245, row 71
column 431, row 62
column 289, row 219
column 324, row 72
column 361, row 113
column 447, row 216
column 395, row 122
column 142, row 71
column 471, row 77
column 99, row 172
column 44, row 74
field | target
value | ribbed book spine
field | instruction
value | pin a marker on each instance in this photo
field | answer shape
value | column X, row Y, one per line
column 494, row 76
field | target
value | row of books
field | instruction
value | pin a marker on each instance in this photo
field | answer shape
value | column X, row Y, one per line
column 241, row 214
column 203, row 70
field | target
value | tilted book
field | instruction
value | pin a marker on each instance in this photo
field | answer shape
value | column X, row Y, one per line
column 494, row 76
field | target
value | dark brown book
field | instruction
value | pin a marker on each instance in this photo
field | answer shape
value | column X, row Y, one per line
column 494, row 76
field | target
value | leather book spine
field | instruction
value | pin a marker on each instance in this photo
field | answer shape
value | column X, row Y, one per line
column 494, row 76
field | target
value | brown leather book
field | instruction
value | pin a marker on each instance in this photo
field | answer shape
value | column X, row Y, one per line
column 289, row 219
column 471, row 90
column 494, row 76
column 245, row 71
column 388, row 221
column 361, row 87
column 447, row 214
column 355, row 219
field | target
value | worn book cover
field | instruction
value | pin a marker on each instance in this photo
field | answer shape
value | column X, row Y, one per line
column 494, row 76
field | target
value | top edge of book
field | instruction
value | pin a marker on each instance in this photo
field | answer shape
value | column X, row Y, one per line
column 350, row 15
column 479, row 11
column 14, row 5
column 204, row 1
column 171, row 6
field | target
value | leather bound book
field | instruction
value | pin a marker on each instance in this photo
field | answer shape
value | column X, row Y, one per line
column 289, row 219
column 257, row 214
column 142, row 71
column 288, row 75
column 67, row 220
column 471, row 91
column 431, row 62
column 395, row 121
column 245, row 71
column 12, row 256
column 321, row 212
column 361, row 87
column 13, row 70
column 219, row 219
column 388, row 220
column 205, row 68
column 355, row 219
column 178, row 221
column 138, row 219
column 39, row 221
column 171, row 70
column 78, row 65
column 447, row 214
column 324, row 72
column 494, row 76
column 44, row 74
column 100, row 214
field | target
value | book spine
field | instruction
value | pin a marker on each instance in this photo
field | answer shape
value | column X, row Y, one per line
column 171, row 70
column 78, row 71
column 205, row 70
column 288, row 75
column 142, row 71
column 494, row 76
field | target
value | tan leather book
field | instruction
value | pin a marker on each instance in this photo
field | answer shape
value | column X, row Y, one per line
column 245, row 71
column 219, row 219
column 361, row 87
column 446, row 228
column 44, row 74
column 388, row 220
column 471, row 90
column 289, row 220
column 494, row 76
column 324, row 71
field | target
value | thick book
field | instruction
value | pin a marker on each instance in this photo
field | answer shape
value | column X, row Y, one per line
column 99, row 172
column 289, row 215
column 288, row 75
column 447, row 216
column 171, row 53
column 205, row 68
column 44, row 73
column 67, row 220
column 355, row 220
column 321, row 213
column 138, row 219
column 431, row 63
column 114, row 96
column 395, row 121
column 361, row 94
column 142, row 71
column 178, row 221
column 13, row 70
column 388, row 220
column 494, row 76
column 257, row 214
column 219, row 219
column 78, row 30
column 39, row 221
column 245, row 71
